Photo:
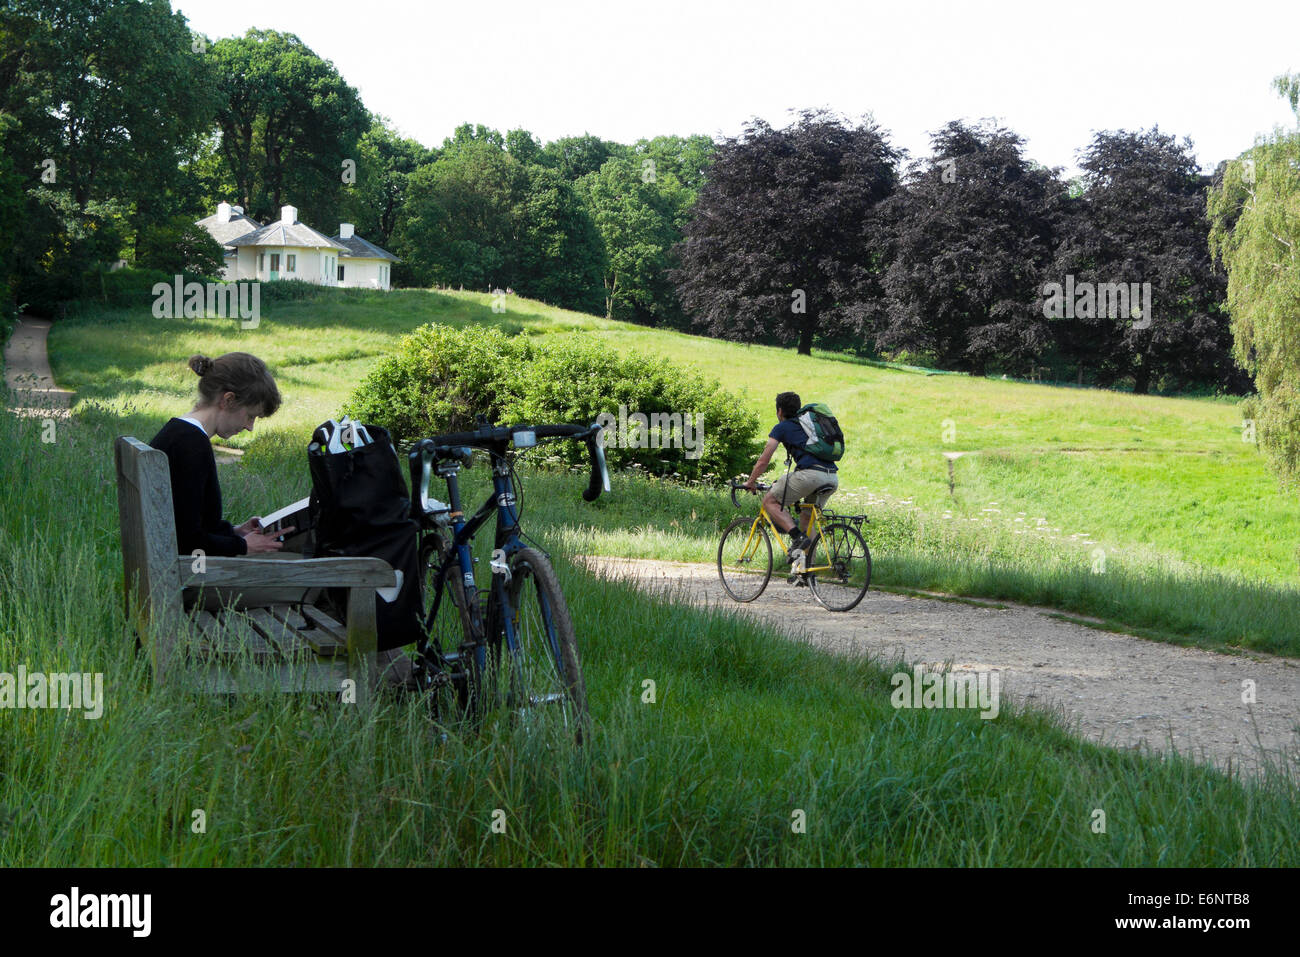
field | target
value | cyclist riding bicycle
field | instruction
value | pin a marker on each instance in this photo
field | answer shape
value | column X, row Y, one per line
column 810, row 474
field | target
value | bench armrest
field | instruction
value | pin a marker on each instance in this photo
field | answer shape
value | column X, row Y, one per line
column 303, row 573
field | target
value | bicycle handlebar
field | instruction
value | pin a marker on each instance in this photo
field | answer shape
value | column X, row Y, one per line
column 457, row 446
column 740, row 486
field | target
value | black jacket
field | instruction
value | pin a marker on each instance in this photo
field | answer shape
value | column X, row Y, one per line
column 196, row 493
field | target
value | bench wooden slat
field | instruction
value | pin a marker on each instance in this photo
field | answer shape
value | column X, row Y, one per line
column 232, row 635
column 304, row 573
column 319, row 674
column 280, row 633
column 325, row 635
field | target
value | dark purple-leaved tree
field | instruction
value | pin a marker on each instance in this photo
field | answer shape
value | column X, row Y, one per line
column 1142, row 219
column 782, row 241
column 970, row 236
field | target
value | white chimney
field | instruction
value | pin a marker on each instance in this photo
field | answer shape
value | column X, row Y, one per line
column 223, row 212
column 288, row 215
column 345, row 230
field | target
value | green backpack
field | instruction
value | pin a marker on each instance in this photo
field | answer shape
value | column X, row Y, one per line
column 825, row 437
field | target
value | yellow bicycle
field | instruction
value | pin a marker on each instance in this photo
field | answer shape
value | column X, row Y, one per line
column 838, row 580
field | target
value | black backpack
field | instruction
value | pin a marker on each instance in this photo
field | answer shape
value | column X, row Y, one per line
column 360, row 507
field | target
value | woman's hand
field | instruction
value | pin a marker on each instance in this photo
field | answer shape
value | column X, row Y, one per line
column 259, row 544
column 254, row 524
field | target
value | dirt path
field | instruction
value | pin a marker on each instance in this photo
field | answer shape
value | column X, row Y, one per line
column 27, row 372
column 1115, row 689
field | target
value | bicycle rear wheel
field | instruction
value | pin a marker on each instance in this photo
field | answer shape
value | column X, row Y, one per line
column 840, row 586
column 542, row 673
column 745, row 559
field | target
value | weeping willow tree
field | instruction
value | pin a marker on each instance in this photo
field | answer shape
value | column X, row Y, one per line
column 1255, row 232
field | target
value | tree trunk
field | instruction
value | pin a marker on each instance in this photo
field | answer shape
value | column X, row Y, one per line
column 1142, row 379
column 806, row 337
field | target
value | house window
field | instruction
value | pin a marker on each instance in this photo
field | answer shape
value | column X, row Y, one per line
column 275, row 262
column 291, row 263
column 261, row 261
column 340, row 273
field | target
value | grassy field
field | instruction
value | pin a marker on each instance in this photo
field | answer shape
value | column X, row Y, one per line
column 749, row 734
column 1147, row 512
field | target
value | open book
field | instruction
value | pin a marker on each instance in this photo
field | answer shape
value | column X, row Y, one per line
column 296, row 516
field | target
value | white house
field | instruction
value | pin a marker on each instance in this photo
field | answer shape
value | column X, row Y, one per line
column 362, row 263
column 288, row 249
column 225, row 226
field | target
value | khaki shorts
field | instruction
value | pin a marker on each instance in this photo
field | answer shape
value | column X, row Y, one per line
column 801, row 483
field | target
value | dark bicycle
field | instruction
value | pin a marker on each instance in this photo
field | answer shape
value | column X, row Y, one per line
column 513, row 644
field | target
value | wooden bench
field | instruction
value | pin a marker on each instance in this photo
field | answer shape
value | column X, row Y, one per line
column 297, row 647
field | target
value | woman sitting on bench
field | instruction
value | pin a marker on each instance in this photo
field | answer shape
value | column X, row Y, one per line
column 234, row 390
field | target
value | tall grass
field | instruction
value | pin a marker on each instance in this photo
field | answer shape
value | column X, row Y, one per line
column 746, row 729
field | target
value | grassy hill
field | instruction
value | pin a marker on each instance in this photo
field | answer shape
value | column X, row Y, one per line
column 1151, row 512
column 749, row 734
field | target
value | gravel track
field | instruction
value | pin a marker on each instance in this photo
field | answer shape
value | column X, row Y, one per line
column 1114, row 689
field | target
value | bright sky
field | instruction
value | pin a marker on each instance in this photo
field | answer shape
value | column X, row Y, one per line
column 625, row 70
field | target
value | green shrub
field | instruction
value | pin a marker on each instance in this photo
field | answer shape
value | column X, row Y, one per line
column 437, row 380
column 440, row 378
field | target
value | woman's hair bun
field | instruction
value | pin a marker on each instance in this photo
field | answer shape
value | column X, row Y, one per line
column 201, row 364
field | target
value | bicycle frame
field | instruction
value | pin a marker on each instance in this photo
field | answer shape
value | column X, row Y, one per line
column 814, row 521
column 500, row 502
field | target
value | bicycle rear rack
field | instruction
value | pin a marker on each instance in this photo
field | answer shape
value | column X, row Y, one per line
column 857, row 521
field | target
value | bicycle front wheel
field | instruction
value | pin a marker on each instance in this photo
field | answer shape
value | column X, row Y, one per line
column 840, row 570
column 745, row 559
column 533, row 661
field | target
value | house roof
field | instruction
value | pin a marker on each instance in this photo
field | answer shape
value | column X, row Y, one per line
column 358, row 248
column 280, row 234
column 226, row 233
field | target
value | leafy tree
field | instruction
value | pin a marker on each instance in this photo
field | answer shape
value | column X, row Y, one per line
column 108, row 94
column 474, row 133
column 1142, row 219
column 635, row 222
column 179, row 246
column 1255, row 215
column 970, row 237
column 384, row 169
column 75, row 243
column 478, row 217
column 576, row 156
column 457, row 225
column 561, row 255
column 288, row 122
column 641, row 202
column 12, row 204
column 685, row 159
column 780, row 236
column 524, row 147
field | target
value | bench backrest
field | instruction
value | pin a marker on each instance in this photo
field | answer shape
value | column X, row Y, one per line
column 148, row 526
